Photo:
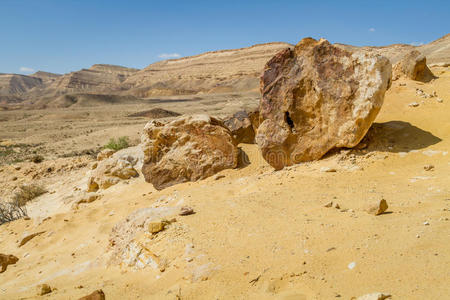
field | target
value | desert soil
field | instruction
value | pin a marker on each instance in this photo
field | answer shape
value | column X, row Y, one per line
column 256, row 233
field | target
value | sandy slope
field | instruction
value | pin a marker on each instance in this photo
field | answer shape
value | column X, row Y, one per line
column 260, row 234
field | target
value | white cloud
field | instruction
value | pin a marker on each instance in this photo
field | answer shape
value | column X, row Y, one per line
column 417, row 43
column 169, row 55
column 372, row 29
column 26, row 70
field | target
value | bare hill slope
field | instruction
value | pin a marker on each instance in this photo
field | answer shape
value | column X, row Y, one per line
column 217, row 71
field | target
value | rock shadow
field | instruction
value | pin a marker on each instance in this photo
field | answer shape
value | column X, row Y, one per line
column 243, row 159
column 397, row 136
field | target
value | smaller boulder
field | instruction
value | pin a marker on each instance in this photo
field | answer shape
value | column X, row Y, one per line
column 189, row 148
column 6, row 260
column 412, row 66
column 242, row 126
column 97, row 295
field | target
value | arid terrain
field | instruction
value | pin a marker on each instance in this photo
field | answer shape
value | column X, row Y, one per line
column 304, row 232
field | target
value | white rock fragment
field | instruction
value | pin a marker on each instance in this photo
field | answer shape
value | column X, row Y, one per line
column 351, row 265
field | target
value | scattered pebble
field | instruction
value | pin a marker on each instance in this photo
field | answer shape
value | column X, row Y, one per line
column 413, row 104
column 352, row 265
column 428, row 167
column 426, row 223
column 186, row 211
column 327, row 170
column 329, row 204
column 374, row 296
column 155, row 227
column 378, row 209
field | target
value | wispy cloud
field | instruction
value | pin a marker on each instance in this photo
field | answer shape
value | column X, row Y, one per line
column 417, row 43
column 26, row 70
column 372, row 29
column 169, row 55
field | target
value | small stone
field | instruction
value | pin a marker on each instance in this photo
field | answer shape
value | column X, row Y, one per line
column 374, row 296
column 413, row 104
column 186, row 211
column 327, row 170
column 97, row 295
column 352, row 265
column 379, row 208
column 329, row 204
column 155, row 227
column 6, row 260
column 426, row 223
column 428, row 167
column 337, row 206
column 43, row 289
column 439, row 100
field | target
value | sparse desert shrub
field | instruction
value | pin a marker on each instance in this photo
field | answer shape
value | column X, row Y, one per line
column 27, row 193
column 10, row 211
column 116, row 145
column 37, row 159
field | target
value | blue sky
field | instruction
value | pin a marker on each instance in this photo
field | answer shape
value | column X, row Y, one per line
column 63, row 35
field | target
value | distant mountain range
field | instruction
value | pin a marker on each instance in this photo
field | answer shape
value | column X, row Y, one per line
column 221, row 71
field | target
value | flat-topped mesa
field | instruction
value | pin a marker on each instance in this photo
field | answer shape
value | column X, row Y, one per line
column 317, row 97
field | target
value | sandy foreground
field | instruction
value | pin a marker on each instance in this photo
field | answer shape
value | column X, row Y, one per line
column 261, row 234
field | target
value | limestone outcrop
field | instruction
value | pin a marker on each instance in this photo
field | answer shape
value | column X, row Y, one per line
column 187, row 149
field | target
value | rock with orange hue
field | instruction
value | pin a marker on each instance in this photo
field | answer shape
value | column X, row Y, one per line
column 317, row 97
column 189, row 148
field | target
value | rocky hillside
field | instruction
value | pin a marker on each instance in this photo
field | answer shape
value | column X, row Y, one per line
column 98, row 78
column 16, row 84
column 437, row 52
column 224, row 71
column 211, row 72
column 46, row 77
